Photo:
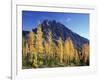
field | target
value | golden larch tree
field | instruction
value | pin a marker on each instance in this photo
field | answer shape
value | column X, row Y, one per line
column 69, row 51
column 85, row 53
column 50, row 43
column 31, row 44
column 77, row 58
column 39, row 45
column 48, row 47
column 60, row 46
column 39, row 36
column 25, row 48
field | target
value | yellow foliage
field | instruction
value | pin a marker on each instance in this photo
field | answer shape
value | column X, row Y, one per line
column 46, row 46
column 77, row 58
column 61, row 52
column 60, row 46
column 68, row 50
column 39, row 36
column 31, row 42
column 50, row 43
column 25, row 48
column 85, row 53
column 32, row 48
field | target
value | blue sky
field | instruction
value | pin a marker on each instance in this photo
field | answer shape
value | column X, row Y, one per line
column 77, row 22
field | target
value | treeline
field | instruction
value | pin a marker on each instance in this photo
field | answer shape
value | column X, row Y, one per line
column 39, row 53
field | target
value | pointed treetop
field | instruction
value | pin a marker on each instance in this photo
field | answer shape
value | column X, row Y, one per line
column 39, row 23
